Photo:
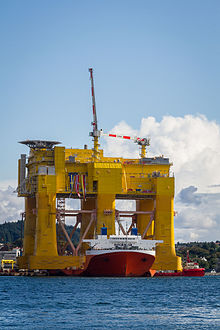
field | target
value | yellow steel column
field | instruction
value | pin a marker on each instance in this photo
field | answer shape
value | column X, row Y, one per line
column 106, row 213
column 29, row 226
column 146, row 205
column 166, row 258
column 45, row 240
column 108, row 178
column 143, row 151
column 96, row 148
column 59, row 160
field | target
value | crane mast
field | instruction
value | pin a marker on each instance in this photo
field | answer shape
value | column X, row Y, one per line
column 95, row 133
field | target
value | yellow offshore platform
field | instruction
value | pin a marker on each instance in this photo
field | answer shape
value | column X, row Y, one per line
column 53, row 173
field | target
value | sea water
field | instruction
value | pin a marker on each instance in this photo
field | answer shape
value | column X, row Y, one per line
column 109, row 303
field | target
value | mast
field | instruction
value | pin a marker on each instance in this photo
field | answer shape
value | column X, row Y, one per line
column 95, row 133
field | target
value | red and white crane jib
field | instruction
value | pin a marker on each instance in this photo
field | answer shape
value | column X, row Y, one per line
column 140, row 141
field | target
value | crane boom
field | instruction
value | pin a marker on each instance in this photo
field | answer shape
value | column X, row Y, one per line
column 143, row 142
column 96, row 133
column 95, row 121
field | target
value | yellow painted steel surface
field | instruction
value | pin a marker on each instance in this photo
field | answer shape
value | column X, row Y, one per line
column 106, row 178
column 50, row 262
column 145, row 205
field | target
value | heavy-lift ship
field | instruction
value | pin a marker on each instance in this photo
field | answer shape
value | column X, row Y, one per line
column 116, row 255
column 120, row 255
column 53, row 174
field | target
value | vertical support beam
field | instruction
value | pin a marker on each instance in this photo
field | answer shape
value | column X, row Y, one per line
column 60, row 233
column 21, row 173
column 45, row 240
column 88, row 204
column 146, row 205
column 92, row 219
column 166, row 258
column 59, row 160
column 106, row 213
column 148, row 226
column 143, row 151
column 65, row 233
column 29, row 226
column 96, row 148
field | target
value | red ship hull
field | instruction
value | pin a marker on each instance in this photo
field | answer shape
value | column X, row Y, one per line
column 120, row 264
column 114, row 264
column 184, row 272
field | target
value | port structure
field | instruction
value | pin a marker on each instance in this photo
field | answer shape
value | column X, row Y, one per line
column 53, row 173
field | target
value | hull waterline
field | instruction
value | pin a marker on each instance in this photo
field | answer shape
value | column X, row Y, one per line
column 184, row 272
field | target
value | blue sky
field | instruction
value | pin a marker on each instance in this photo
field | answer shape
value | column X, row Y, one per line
column 149, row 58
column 156, row 59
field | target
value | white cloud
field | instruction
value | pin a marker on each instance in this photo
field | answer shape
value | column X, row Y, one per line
column 198, row 216
column 193, row 145
column 10, row 205
column 5, row 184
column 119, row 147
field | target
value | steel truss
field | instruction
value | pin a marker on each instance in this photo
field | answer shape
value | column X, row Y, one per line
column 61, row 214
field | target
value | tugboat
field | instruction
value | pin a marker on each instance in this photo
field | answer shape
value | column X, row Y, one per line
column 190, row 269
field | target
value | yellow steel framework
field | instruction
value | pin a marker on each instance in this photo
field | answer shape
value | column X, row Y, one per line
column 53, row 172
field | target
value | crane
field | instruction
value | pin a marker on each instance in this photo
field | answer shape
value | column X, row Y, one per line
column 96, row 133
column 143, row 142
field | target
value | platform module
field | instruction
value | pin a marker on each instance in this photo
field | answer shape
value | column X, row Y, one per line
column 52, row 174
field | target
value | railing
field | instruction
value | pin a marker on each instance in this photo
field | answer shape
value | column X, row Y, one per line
column 137, row 183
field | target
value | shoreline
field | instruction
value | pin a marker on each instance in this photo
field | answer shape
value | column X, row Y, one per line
column 44, row 273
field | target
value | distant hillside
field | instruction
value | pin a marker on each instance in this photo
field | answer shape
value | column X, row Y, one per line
column 12, row 233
